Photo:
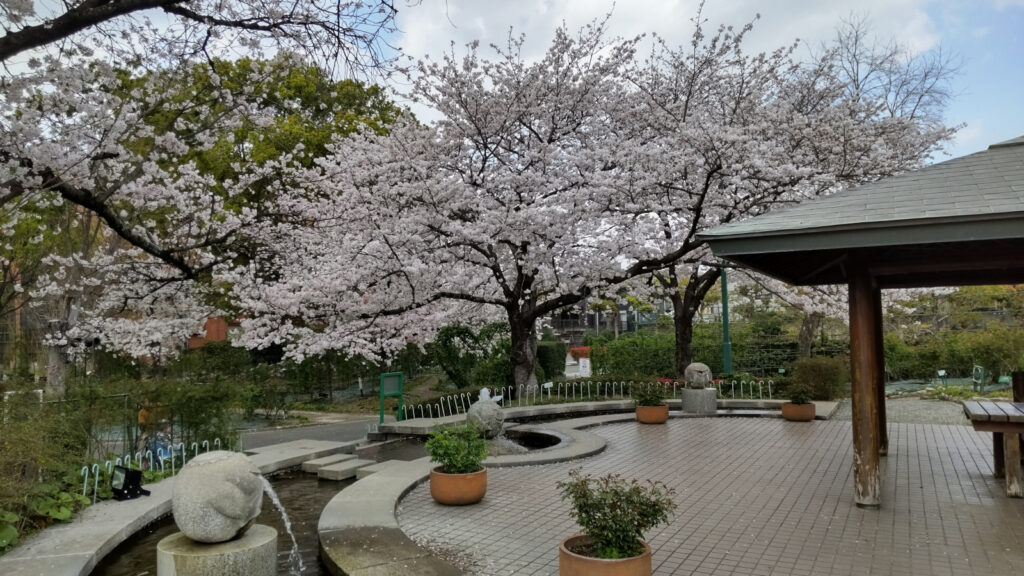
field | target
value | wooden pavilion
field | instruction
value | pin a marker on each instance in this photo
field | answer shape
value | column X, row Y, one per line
column 959, row 222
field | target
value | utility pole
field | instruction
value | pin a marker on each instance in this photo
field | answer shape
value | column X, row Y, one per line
column 726, row 343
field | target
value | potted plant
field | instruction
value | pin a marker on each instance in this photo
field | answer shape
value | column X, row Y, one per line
column 614, row 514
column 799, row 408
column 650, row 403
column 460, row 477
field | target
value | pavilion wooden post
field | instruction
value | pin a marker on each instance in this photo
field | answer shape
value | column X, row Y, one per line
column 883, row 431
column 865, row 314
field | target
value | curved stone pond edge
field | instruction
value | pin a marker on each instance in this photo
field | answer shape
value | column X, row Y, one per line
column 75, row 548
column 547, row 412
column 359, row 532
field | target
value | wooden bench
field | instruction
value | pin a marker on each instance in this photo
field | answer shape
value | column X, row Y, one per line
column 1006, row 422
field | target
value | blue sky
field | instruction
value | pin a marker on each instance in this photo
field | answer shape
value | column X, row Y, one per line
column 987, row 35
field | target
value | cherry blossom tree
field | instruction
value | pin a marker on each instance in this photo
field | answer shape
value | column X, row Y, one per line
column 331, row 31
column 546, row 182
column 754, row 133
column 163, row 153
column 68, row 127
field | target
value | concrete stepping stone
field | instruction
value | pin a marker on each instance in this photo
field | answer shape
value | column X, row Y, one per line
column 374, row 468
column 314, row 466
column 278, row 456
column 343, row 470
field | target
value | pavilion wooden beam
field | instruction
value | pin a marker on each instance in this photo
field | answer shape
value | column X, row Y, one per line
column 865, row 315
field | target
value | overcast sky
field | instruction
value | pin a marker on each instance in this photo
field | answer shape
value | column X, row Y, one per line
column 988, row 35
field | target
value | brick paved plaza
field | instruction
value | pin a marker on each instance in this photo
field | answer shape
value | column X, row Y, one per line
column 757, row 496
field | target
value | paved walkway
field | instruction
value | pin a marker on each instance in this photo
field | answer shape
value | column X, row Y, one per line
column 913, row 411
column 329, row 426
column 757, row 496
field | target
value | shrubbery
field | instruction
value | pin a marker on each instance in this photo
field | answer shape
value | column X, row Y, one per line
column 637, row 355
column 652, row 354
column 616, row 512
column 473, row 357
column 999, row 349
column 457, row 449
column 551, row 358
column 41, row 447
column 652, row 394
column 821, row 377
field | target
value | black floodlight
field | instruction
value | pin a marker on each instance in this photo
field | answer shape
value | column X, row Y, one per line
column 126, row 483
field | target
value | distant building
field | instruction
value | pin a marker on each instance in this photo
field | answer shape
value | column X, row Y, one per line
column 217, row 330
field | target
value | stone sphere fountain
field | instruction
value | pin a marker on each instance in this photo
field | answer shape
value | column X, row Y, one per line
column 217, row 495
column 699, row 396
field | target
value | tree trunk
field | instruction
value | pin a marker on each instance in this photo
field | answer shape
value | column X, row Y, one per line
column 524, row 349
column 682, row 322
column 684, row 309
column 810, row 325
column 56, row 371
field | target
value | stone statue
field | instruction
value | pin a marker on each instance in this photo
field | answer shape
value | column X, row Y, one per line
column 486, row 414
column 217, row 495
column 697, row 375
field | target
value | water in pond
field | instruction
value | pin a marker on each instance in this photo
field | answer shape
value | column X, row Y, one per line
column 512, row 442
column 303, row 496
column 295, row 563
column 404, row 449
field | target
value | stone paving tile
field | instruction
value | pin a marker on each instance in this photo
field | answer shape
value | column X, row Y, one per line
column 913, row 411
column 756, row 497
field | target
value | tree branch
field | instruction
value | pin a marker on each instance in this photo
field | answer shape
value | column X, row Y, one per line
column 85, row 15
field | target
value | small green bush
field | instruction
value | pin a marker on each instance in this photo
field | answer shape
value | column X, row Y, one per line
column 649, row 394
column 799, row 393
column 551, row 357
column 614, row 512
column 823, row 377
column 457, row 449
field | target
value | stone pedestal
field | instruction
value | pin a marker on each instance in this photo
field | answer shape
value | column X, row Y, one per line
column 254, row 554
column 700, row 400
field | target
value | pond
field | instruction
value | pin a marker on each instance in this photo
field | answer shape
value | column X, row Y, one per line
column 304, row 497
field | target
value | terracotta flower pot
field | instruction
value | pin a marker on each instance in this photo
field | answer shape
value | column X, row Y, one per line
column 573, row 564
column 798, row 412
column 458, row 489
column 652, row 414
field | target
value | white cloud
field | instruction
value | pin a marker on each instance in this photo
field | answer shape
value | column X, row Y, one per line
column 438, row 26
column 432, row 26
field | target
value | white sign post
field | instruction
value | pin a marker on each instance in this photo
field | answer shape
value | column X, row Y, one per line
column 584, row 367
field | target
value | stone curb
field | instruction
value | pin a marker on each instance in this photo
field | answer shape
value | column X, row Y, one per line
column 75, row 548
column 762, row 408
column 358, row 529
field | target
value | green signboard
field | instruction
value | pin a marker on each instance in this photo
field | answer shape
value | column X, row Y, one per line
column 391, row 387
